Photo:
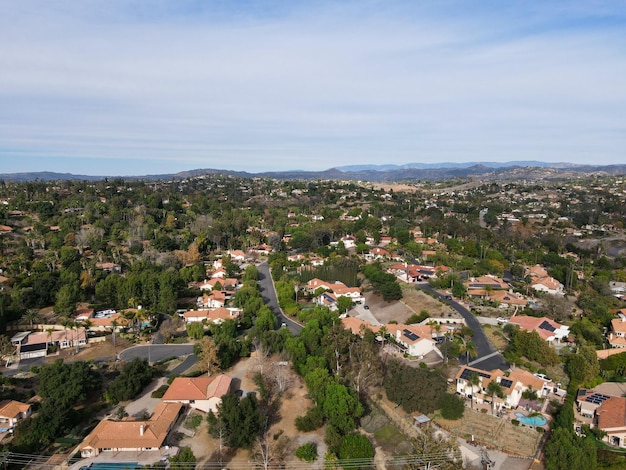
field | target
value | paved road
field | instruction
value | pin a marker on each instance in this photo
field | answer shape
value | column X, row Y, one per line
column 156, row 352
column 492, row 358
column 269, row 297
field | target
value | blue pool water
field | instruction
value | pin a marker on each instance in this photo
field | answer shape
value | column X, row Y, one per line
column 536, row 420
column 114, row 465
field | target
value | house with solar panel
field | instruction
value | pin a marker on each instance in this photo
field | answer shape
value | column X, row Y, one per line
column 513, row 385
column 606, row 406
column 548, row 329
column 415, row 340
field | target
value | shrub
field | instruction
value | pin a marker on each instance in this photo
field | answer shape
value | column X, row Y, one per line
column 307, row 452
column 452, row 406
column 312, row 420
column 356, row 446
column 515, row 422
column 159, row 392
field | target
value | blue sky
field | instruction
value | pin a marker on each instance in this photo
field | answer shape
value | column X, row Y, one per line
column 145, row 87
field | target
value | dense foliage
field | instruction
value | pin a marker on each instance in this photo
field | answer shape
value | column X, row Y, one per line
column 238, row 421
column 414, row 389
column 63, row 387
column 383, row 282
column 134, row 377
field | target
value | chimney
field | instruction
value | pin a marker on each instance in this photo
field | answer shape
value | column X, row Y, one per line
column 141, row 428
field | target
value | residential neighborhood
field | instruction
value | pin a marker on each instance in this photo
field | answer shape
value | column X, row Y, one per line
column 253, row 312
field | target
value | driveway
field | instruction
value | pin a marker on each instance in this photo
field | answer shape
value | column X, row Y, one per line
column 268, row 292
column 359, row 311
column 488, row 357
column 155, row 352
column 145, row 404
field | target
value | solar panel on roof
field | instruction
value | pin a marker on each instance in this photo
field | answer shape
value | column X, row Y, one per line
column 546, row 326
column 506, row 383
column 597, row 398
column 465, row 375
column 409, row 334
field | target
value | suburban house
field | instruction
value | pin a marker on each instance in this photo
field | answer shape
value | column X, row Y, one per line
column 337, row 289
column 541, row 281
column 109, row 267
column 237, row 256
column 617, row 332
column 218, row 273
column 31, row 345
column 378, row 253
column 513, row 385
column 611, row 418
column 215, row 299
column 107, row 321
column 548, row 329
column 606, row 405
column 216, row 315
column 549, row 285
column 481, row 287
column 262, row 249
column 416, row 340
column 357, row 326
column 132, row 435
column 209, row 284
column 507, row 299
column 12, row 411
column 202, row 393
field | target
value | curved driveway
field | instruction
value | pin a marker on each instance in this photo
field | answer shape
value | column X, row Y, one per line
column 268, row 292
column 156, row 352
column 488, row 357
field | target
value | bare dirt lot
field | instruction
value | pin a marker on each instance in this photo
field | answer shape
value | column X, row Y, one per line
column 93, row 351
column 293, row 403
column 413, row 302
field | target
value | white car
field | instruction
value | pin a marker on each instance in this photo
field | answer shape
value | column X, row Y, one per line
column 502, row 320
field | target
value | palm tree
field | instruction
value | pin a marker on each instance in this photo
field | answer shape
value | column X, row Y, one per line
column 496, row 390
column 32, row 316
column 49, row 331
column 114, row 326
column 470, row 351
column 473, row 380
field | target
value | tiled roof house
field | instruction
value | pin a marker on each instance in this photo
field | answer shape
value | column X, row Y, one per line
column 548, row 329
column 202, row 393
column 127, row 435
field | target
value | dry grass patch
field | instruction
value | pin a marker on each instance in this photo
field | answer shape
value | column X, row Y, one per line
column 494, row 432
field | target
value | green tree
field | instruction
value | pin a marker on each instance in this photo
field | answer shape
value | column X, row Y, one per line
column 195, row 330
column 341, row 407
column 344, row 304
column 237, row 420
column 356, row 447
column 184, row 460
column 135, row 376
column 452, row 406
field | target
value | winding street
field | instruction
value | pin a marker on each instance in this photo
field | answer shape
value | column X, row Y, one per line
column 488, row 357
column 155, row 352
column 269, row 297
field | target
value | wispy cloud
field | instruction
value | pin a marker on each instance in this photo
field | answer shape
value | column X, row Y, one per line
column 269, row 85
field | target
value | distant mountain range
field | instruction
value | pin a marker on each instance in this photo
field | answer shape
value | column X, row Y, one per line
column 532, row 170
column 430, row 166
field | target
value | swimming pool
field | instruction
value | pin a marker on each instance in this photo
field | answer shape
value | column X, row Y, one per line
column 114, row 465
column 535, row 420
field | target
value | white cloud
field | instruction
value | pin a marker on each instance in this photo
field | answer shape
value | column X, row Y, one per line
column 191, row 85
